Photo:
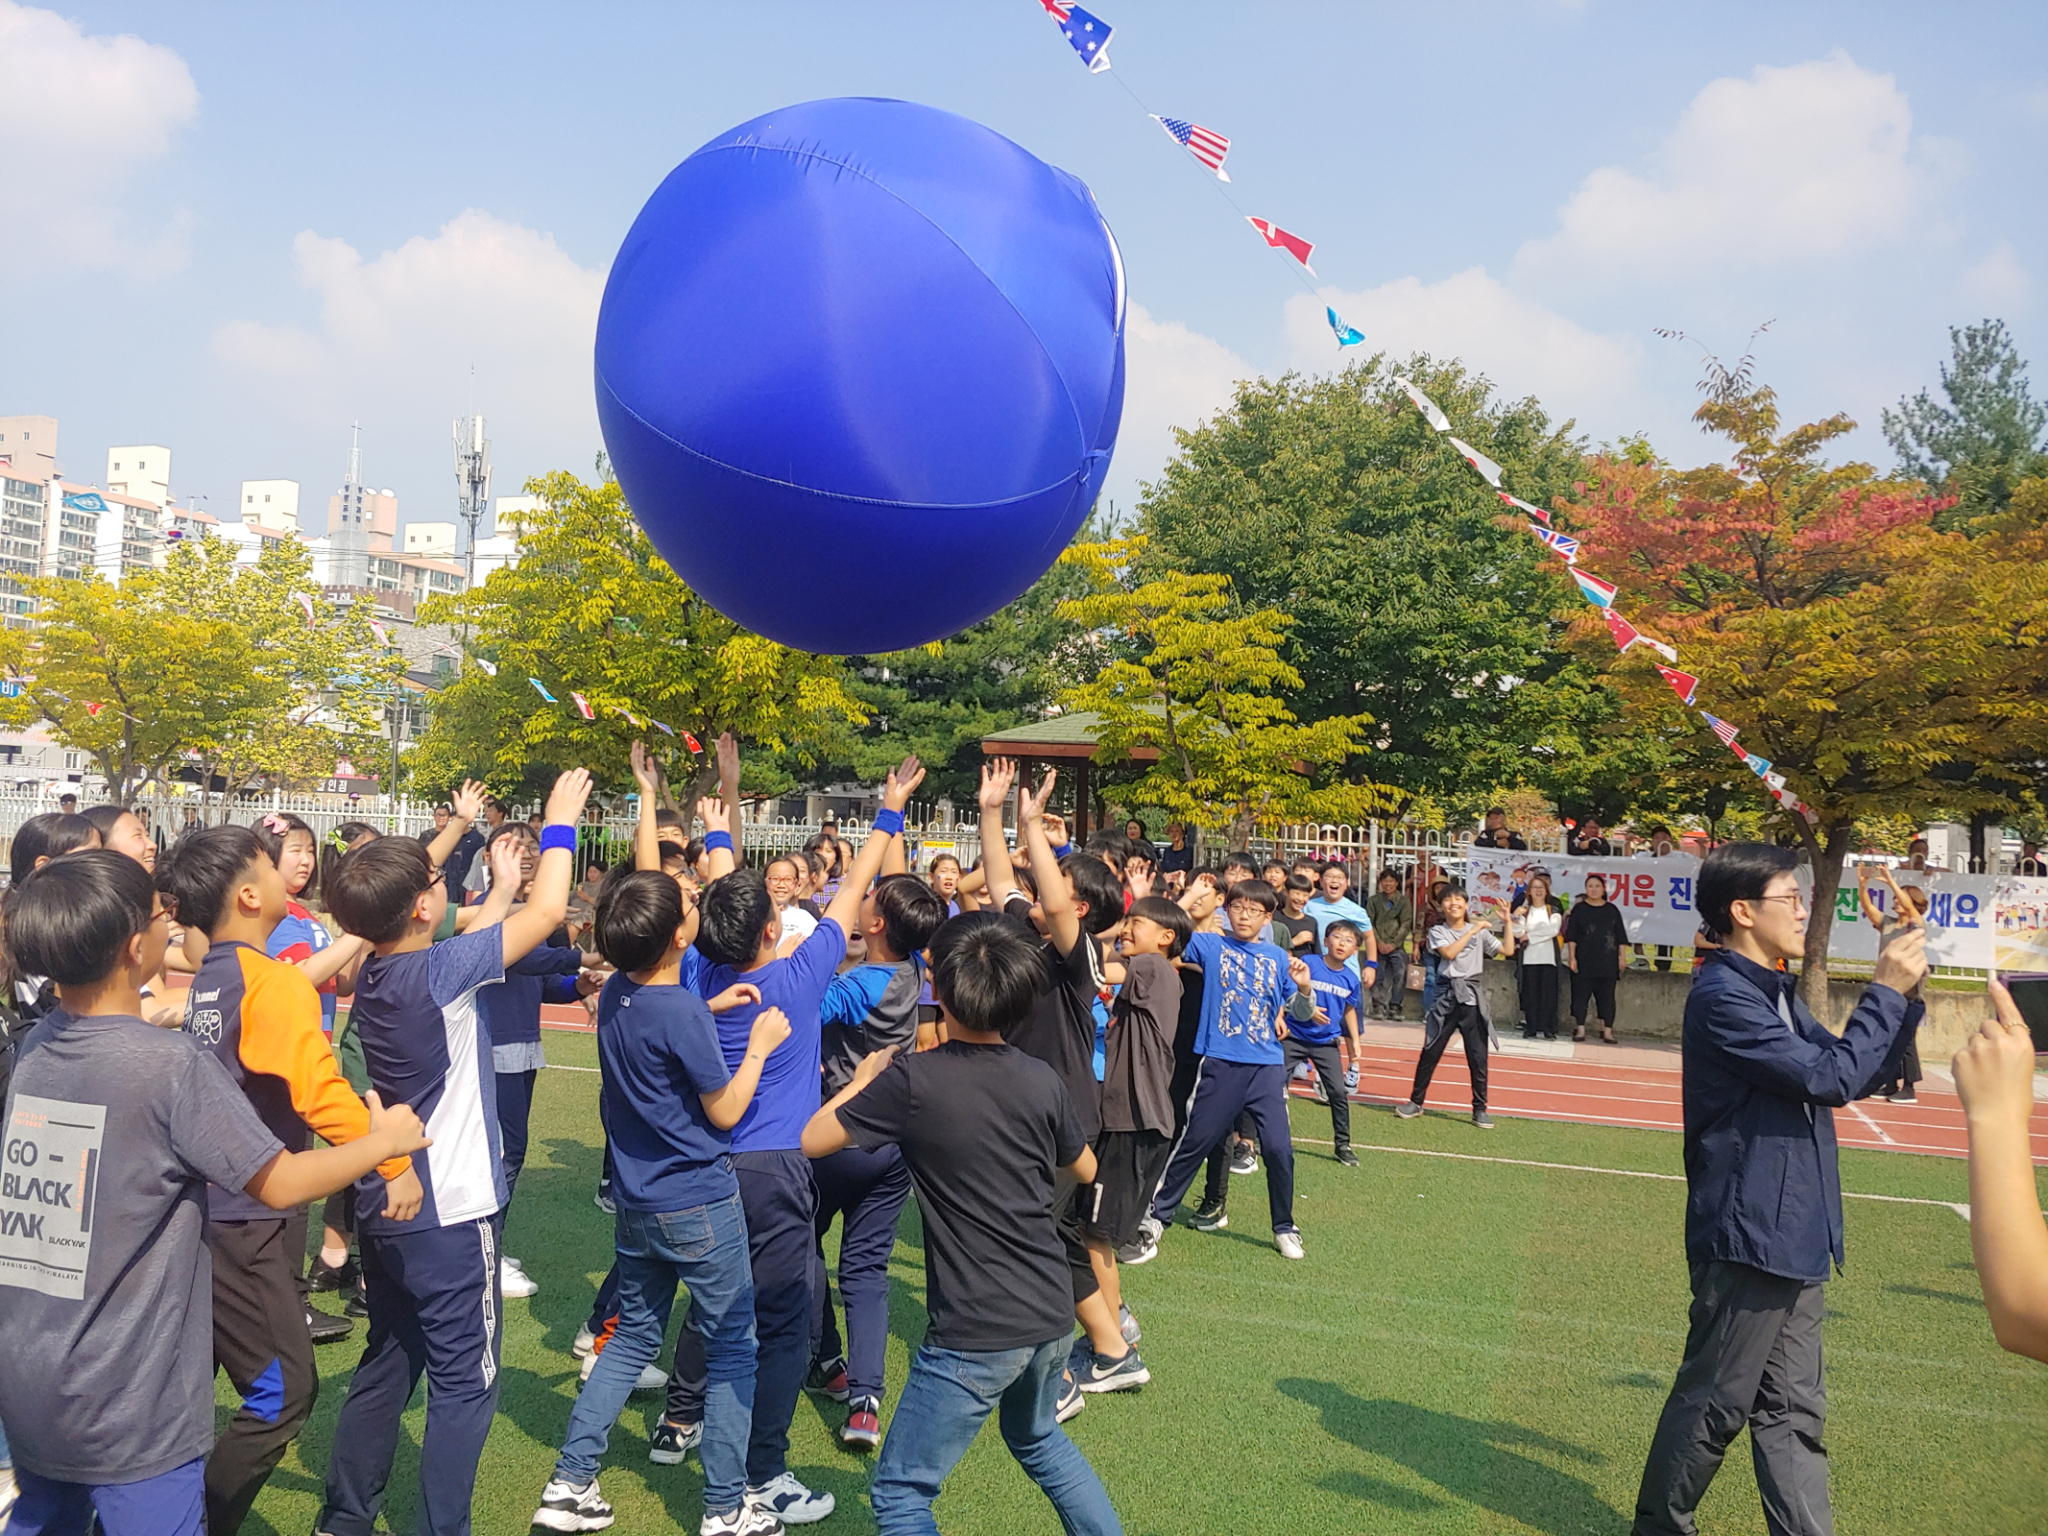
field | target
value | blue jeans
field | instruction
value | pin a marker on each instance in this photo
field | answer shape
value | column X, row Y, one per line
column 949, row 1393
column 705, row 1247
column 172, row 1503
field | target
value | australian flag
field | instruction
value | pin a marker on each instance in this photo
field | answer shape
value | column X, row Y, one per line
column 1089, row 34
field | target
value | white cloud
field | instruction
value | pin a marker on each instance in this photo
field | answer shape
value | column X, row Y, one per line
column 80, row 116
column 1792, row 163
column 1522, row 346
column 1999, row 282
column 397, row 336
column 1173, row 377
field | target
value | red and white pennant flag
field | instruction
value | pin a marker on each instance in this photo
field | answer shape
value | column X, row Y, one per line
column 1281, row 240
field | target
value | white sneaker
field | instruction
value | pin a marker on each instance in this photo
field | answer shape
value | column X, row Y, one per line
column 565, row 1507
column 586, row 1342
column 790, row 1501
column 744, row 1521
column 1289, row 1244
column 652, row 1377
column 512, row 1280
column 506, row 1258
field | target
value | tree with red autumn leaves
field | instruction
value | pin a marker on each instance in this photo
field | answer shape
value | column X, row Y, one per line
column 1882, row 666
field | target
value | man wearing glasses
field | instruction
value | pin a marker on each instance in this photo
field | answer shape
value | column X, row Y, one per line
column 1763, row 1212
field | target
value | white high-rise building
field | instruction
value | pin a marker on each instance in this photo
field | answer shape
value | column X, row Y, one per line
column 273, row 503
column 28, row 446
column 434, row 541
column 142, row 472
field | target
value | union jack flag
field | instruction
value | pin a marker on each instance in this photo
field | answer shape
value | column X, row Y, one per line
column 1205, row 144
column 1563, row 543
column 1724, row 730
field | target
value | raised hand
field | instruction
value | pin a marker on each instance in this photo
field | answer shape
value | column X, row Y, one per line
column 1298, row 969
column 646, row 776
column 1902, row 962
column 903, row 782
column 469, row 800
column 567, row 799
column 713, row 813
column 728, row 750
column 1031, row 805
column 1138, row 879
column 997, row 775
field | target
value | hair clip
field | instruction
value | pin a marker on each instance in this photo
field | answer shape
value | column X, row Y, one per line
column 276, row 824
column 337, row 842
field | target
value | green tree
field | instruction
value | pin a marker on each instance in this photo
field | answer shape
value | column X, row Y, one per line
column 1414, row 599
column 940, row 701
column 592, row 609
column 1985, row 439
column 1188, row 676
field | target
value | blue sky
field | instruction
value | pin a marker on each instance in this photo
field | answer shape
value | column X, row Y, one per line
column 234, row 228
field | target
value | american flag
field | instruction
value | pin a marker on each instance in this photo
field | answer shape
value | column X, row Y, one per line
column 1205, row 144
column 1281, row 240
column 661, row 726
column 1684, row 684
column 1563, row 543
column 1724, row 730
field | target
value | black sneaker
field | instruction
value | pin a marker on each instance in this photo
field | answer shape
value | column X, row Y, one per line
column 1100, row 1375
column 670, row 1443
column 323, row 1276
column 1408, row 1110
column 1209, row 1219
column 1244, row 1158
column 326, row 1328
column 827, row 1378
column 1482, row 1119
column 359, row 1300
column 1347, row 1157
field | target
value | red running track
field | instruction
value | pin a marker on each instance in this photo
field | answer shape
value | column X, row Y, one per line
column 1643, row 1095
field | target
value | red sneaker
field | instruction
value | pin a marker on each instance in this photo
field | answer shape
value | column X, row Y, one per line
column 863, row 1430
column 827, row 1378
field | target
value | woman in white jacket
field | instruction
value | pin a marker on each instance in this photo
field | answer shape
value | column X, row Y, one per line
column 1538, row 920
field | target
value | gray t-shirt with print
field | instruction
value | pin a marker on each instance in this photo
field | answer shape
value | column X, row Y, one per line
column 1461, row 972
column 113, row 1129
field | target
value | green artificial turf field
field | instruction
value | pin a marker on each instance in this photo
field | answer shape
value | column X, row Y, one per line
column 1468, row 1347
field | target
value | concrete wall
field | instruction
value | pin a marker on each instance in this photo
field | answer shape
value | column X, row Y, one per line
column 1652, row 1007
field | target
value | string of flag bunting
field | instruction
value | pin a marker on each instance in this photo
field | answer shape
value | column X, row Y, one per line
column 1090, row 36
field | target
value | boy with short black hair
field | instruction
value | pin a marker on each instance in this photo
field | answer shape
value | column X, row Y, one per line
column 260, row 1019
column 1138, row 1126
column 106, row 1311
column 1339, row 995
column 870, row 1008
column 990, row 1137
column 1247, row 988
column 1293, row 929
column 673, row 1103
column 738, row 930
column 432, row 1280
column 1462, row 949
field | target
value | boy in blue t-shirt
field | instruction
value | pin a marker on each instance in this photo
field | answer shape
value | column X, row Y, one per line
column 738, row 930
column 1338, row 991
column 672, row 1104
column 1246, row 988
column 432, row 1281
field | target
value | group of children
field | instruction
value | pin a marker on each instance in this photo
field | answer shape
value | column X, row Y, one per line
column 1046, row 1049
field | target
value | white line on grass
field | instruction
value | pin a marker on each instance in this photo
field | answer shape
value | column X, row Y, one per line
column 1620, row 1173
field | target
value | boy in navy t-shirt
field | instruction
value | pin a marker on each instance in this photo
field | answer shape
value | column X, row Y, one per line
column 672, row 1105
column 1246, row 988
column 432, row 1281
column 738, row 930
column 1339, row 992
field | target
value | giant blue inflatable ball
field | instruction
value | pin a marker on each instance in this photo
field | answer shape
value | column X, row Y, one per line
column 860, row 366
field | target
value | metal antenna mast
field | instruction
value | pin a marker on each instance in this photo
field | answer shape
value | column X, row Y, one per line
column 473, row 485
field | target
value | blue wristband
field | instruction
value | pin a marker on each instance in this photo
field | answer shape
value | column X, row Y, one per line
column 888, row 822
column 558, row 835
column 717, row 840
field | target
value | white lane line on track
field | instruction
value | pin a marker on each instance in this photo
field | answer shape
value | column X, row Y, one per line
column 1882, row 1135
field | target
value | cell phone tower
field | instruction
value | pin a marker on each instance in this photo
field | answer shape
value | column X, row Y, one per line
column 473, row 483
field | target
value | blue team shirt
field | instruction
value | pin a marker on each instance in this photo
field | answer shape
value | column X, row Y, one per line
column 298, row 937
column 511, row 1009
column 1336, row 989
column 426, row 1045
column 1244, row 987
column 789, row 1092
column 1326, row 912
column 658, row 1046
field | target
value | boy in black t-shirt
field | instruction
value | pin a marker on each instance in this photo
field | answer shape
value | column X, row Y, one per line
column 1293, row 929
column 987, row 1132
